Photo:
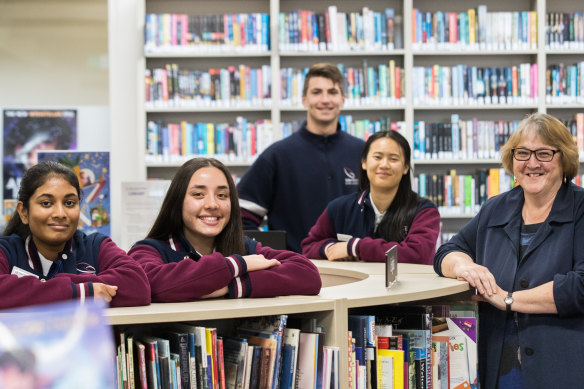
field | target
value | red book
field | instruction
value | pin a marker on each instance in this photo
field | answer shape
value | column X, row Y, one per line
column 514, row 81
column 327, row 27
column 141, row 364
column 452, row 27
column 221, row 364
column 213, row 332
column 397, row 82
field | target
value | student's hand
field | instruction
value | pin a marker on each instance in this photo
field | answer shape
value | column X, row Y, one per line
column 218, row 293
column 104, row 291
column 259, row 262
column 338, row 252
column 477, row 276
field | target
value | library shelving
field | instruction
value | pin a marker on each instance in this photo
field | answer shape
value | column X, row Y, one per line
column 346, row 286
column 532, row 52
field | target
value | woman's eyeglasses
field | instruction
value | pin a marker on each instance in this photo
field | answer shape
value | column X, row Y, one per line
column 542, row 155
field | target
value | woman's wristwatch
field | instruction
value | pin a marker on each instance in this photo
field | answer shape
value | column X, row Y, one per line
column 509, row 300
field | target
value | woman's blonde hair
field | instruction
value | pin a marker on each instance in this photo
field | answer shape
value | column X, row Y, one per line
column 551, row 131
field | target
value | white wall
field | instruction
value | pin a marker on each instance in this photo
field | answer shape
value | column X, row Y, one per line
column 53, row 53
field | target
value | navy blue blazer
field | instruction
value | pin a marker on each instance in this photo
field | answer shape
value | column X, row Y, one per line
column 552, row 345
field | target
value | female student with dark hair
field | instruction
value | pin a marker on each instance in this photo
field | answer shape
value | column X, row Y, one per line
column 196, row 248
column 384, row 213
column 44, row 258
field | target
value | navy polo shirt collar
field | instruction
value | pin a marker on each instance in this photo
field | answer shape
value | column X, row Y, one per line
column 321, row 138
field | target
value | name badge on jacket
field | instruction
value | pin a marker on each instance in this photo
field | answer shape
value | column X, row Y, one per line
column 21, row 272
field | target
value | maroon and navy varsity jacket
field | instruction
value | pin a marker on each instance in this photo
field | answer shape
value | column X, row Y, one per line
column 85, row 259
column 351, row 218
column 177, row 272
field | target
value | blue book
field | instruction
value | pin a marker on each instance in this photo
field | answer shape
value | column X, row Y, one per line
column 173, row 364
column 440, row 27
column 288, row 353
column 165, row 137
column 255, row 367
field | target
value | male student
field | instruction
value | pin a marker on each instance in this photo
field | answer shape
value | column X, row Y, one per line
column 293, row 180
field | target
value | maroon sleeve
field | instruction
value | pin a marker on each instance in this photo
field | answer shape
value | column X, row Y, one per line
column 118, row 269
column 28, row 290
column 320, row 236
column 296, row 274
column 186, row 280
column 418, row 247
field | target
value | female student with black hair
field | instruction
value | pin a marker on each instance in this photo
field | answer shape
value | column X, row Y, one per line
column 44, row 258
column 384, row 213
column 196, row 248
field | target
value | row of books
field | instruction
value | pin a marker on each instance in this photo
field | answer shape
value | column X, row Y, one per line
column 263, row 353
column 332, row 30
column 474, row 29
column 564, row 30
column 459, row 192
column 461, row 139
column 464, row 84
column 399, row 347
column 241, row 141
column 564, row 83
column 234, row 86
column 462, row 194
column 231, row 142
column 364, row 86
column 182, row 33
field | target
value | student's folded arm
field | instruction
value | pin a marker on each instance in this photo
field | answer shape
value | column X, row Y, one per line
column 418, row 247
column 296, row 274
column 186, row 280
column 28, row 290
column 320, row 236
column 116, row 268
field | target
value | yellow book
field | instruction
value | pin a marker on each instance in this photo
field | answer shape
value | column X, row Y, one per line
column 397, row 357
column 472, row 26
column 236, row 32
column 209, row 339
column 183, row 138
column 210, row 139
column 242, row 82
column 392, row 78
column 455, row 188
column 533, row 29
column 493, row 182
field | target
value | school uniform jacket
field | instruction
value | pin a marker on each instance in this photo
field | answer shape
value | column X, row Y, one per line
column 352, row 218
column 294, row 179
column 551, row 344
column 178, row 273
column 85, row 259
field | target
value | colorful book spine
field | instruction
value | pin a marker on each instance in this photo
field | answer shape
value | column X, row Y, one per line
column 231, row 142
column 463, row 84
column 181, row 33
column 173, row 87
column 474, row 29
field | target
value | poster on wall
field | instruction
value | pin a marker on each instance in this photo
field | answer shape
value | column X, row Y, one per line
column 92, row 169
column 28, row 131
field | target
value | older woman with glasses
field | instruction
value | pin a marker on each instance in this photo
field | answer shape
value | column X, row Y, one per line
column 524, row 254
